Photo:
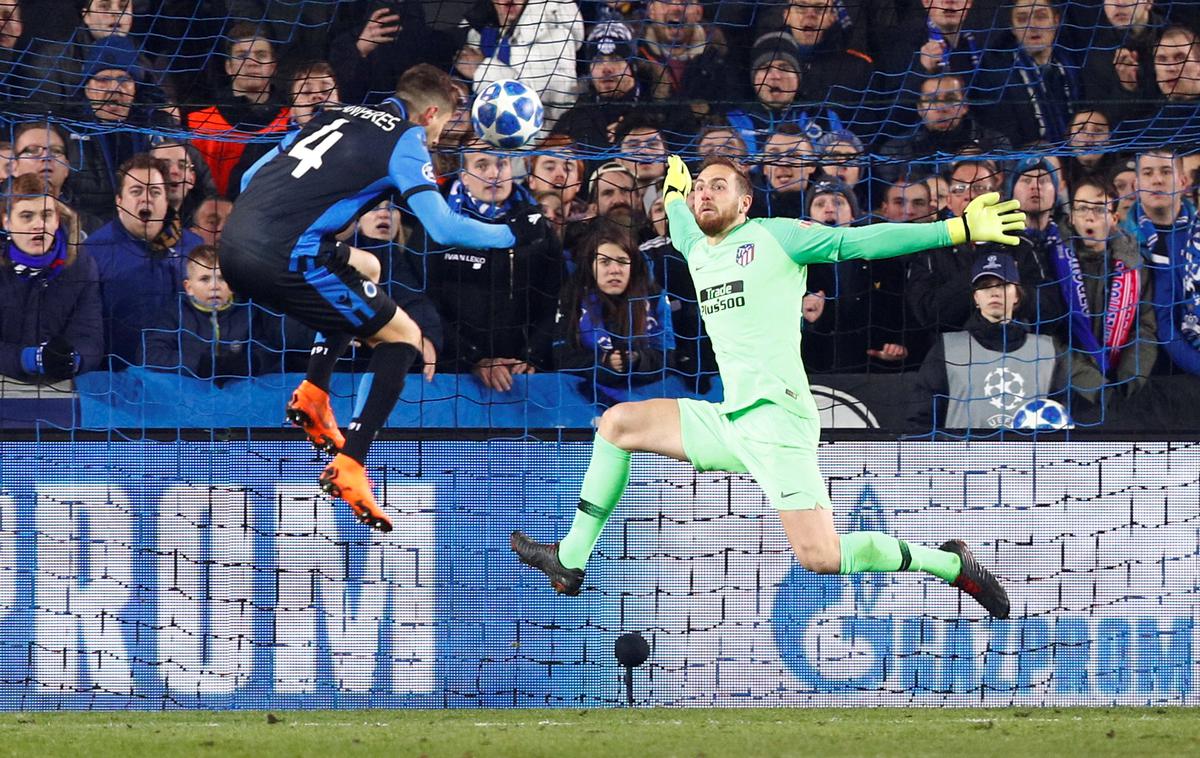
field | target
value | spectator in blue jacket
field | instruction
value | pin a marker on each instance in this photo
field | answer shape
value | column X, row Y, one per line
column 139, row 256
column 204, row 333
column 50, row 327
column 1165, row 225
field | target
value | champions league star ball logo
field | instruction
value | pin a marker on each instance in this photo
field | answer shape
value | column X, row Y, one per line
column 1004, row 388
column 745, row 254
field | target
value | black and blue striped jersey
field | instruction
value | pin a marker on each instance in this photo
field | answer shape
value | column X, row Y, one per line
column 325, row 175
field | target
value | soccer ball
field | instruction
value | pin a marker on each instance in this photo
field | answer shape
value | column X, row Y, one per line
column 1042, row 414
column 507, row 114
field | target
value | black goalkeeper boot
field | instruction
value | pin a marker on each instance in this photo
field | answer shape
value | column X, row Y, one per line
column 544, row 558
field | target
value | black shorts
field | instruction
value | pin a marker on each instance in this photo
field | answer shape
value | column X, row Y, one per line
column 326, row 294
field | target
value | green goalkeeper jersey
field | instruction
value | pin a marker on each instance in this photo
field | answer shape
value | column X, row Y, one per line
column 751, row 287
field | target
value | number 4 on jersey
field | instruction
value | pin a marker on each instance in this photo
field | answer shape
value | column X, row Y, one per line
column 310, row 149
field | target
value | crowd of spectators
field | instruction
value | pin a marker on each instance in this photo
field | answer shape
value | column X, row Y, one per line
column 129, row 124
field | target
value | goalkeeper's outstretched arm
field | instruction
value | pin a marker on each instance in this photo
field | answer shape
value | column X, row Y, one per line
column 986, row 219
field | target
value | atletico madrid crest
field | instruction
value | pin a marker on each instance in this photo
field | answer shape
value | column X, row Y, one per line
column 745, row 254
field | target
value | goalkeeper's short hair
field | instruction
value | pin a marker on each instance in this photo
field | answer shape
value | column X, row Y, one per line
column 743, row 176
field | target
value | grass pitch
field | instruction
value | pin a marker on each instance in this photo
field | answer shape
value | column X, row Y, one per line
column 564, row 733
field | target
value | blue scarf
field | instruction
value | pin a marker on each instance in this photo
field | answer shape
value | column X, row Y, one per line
column 1051, row 109
column 594, row 333
column 492, row 45
column 935, row 35
column 462, row 203
column 1184, row 248
column 49, row 264
column 1119, row 314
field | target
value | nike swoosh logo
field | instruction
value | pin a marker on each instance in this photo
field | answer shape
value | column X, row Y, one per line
column 786, row 495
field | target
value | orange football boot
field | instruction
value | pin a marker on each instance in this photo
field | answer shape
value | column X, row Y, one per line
column 309, row 409
column 346, row 478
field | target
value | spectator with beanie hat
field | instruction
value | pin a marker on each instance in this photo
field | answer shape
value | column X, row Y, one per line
column 111, row 98
column 1032, row 184
column 614, row 89
column 61, row 66
column 783, row 95
column 821, row 31
column 838, row 306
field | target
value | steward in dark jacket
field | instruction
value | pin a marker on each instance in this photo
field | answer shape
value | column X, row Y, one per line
column 939, row 287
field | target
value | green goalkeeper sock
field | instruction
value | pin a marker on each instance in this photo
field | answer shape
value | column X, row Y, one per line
column 603, row 485
column 876, row 551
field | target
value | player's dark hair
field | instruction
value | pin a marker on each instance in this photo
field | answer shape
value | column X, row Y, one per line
column 423, row 85
column 625, row 314
column 743, row 176
column 205, row 256
column 141, row 162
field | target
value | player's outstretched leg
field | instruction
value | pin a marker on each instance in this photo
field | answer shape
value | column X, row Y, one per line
column 309, row 407
column 819, row 548
column 346, row 477
column 603, row 484
column 652, row 426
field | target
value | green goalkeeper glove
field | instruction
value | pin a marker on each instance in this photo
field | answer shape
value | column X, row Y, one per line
column 678, row 181
column 987, row 219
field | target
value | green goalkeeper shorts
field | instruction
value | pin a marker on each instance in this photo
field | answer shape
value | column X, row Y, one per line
column 776, row 447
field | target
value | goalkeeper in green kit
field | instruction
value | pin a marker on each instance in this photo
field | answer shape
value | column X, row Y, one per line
column 750, row 283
